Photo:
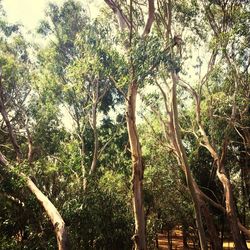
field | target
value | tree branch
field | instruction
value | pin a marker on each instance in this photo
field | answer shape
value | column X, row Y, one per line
column 121, row 17
column 150, row 20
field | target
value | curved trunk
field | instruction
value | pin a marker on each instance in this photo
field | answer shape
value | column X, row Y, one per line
column 227, row 188
column 231, row 210
column 176, row 140
column 137, row 170
column 51, row 211
column 53, row 214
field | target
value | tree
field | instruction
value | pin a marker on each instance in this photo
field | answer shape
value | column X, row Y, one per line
column 81, row 76
column 171, row 125
column 11, row 77
column 135, row 148
column 186, row 147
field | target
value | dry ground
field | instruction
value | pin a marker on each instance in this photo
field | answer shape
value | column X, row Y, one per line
column 178, row 244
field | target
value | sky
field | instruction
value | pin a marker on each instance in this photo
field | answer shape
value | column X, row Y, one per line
column 30, row 12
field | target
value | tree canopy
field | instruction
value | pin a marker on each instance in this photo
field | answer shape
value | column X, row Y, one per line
column 126, row 126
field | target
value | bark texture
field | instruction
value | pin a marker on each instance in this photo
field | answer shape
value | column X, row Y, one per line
column 175, row 138
column 53, row 214
column 137, row 169
column 227, row 187
column 136, row 154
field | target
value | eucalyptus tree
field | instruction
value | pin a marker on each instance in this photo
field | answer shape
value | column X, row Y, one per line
column 127, row 23
column 168, row 203
column 14, row 90
column 79, row 60
column 169, row 94
column 231, row 50
column 149, row 64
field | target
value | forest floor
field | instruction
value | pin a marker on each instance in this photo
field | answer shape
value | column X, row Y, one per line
column 177, row 243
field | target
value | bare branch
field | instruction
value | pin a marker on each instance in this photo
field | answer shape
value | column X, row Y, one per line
column 7, row 122
column 121, row 17
column 150, row 20
column 118, row 88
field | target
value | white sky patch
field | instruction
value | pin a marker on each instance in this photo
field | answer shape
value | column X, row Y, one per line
column 26, row 12
column 31, row 12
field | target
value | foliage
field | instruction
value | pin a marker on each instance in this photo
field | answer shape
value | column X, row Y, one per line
column 82, row 74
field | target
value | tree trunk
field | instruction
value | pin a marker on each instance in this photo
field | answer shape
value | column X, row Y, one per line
column 137, row 169
column 230, row 209
column 213, row 233
column 227, row 188
column 185, row 237
column 96, row 143
column 53, row 214
column 136, row 155
column 177, row 143
column 169, row 239
column 51, row 211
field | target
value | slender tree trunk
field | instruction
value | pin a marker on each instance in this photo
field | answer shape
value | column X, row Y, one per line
column 96, row 143
column 137, row 169
column 221, row 173
column 177, row 142
column 227, row 187
column 169, row 239
column 136, row 155
column 212, row 230
column 50, row 209
column 231, row 210
column 213, row 233
column 185, row 237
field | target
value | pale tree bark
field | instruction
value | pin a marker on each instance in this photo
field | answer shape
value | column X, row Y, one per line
column 228, row 193
column 122, row 19
column 137, row 169
column 223, row 210
column 172, row 130
column 135, row 148
column 227, row 10
column 221, row 174
column 50, row 209
column 96, row 99
column 150, row 19
column 53, row 214
column 175, row 138
column 202, row 198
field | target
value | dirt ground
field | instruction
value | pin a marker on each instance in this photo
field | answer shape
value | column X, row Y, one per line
column 177, row 243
